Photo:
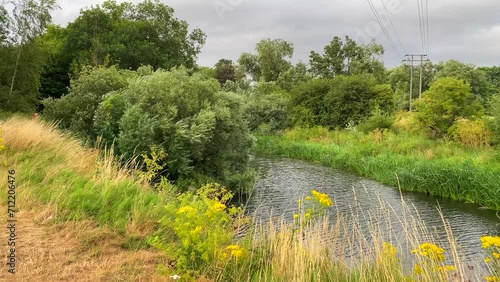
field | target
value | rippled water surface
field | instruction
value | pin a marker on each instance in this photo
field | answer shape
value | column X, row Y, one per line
column 283, row 181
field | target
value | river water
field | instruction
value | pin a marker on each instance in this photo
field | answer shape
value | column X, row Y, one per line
column 282, row 181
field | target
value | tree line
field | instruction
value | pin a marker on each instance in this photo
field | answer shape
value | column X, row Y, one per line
column 127, row 73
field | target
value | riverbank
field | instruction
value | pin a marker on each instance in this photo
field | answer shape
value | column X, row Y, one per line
column 413, row 163
column 89, row 218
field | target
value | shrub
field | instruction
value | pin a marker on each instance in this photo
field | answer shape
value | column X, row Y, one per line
column 267, row 104
column 494, row 122
column 447, row 100
column 197, row 229
column 200, row 128
column 471, row 133
column 339, row 101
column 307, row 102
column 377, row 120
column 77, row 109
column 408, row 122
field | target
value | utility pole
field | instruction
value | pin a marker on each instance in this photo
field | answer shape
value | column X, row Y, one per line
column 411, row 59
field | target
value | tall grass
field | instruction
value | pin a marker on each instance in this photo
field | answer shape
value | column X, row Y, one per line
column 414, row 163
column 55, row 169
column 341, row 250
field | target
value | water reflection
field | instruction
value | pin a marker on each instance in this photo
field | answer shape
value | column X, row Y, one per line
column 283, row 181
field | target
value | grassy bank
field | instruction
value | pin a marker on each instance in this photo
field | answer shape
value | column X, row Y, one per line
column 414, row 163
column 83, row 217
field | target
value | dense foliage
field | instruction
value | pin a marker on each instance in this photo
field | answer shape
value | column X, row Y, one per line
column 340, row 101
column 200, row 128
column 124, row 34
column 447, row 100
column 22, row 53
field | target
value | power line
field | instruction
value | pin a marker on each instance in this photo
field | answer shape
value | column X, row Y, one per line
column 393, row 28
column 411, row 59
column 427, row 19
column 377, row 16
column 420, row 20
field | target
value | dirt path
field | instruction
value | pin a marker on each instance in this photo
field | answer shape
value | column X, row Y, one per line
column 72, row 251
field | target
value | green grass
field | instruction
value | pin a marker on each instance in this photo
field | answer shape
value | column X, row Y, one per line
column 55, row 170
column 413, row 163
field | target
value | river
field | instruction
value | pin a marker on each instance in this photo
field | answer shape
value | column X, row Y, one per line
column 282, row 181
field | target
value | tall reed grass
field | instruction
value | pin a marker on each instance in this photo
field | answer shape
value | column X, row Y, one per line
column 342, row 250
column 441, row 168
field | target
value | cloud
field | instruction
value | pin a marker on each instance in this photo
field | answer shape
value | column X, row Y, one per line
column 459, row 29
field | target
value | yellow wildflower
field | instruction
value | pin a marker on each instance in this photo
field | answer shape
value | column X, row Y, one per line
column 446, row 268
column 389, row 250
column 487, row 260
column 430, row 250
column 496, row 255
column 323, row 199
column 308, row 198
column 490, row 241
column 492, row 278
column 308, row 215
column 235, row 250
column 186, row 209
column 217, row 206
column 417, row 269
column 196, row 231
column 295, row 216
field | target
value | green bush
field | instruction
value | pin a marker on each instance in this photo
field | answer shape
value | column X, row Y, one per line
column 471, row 133
column 200, row 128
column 77, row 109
column 494, row 121
column 378, row 119
column 340, row 101
column 307, row 101
column 447, row 100
column 197, row 230
column 268, row 104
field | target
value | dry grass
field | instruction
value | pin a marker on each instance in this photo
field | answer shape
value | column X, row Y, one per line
column 344, row 250
column 75, row 251
column 56, row 180
column 21, row 134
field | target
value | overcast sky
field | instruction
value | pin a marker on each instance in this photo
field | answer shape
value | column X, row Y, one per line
column 458, row 29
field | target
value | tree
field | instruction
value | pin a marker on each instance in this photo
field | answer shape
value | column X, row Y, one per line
column 492, row 75
column 467, row 72
column 21, row 52
column 351, row 99
column 267, row 108
column 294, row 76
column 4, row 25
column 198, row 126
column 54, row 79
column 272, row 59
column 307, row 101
column 447, row 100
column 399, row 79
column 126, row 35
column 336, row 102
column 76, row 110
column 225, row 70
column 494, row 112
column 348, row 58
